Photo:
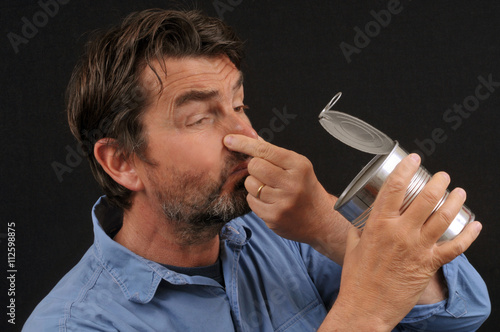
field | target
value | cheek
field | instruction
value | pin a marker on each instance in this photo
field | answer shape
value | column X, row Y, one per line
column 199, row 153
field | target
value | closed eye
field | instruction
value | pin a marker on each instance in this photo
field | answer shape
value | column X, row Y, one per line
column 242, row 108
column 201, row 120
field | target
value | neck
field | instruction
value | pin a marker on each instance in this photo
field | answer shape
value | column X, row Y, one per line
column 149, row 235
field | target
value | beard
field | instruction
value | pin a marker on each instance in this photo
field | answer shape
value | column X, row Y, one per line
column 197, row 205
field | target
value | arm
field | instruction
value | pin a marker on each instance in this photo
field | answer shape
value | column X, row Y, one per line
column 465, row 309
column 388, row 268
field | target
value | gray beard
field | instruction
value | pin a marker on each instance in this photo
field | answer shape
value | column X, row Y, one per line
column 197, row 207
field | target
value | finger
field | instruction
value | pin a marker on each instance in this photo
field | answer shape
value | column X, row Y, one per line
column 429, row 197
column 449, row 250
column 252, row 185
column 259, row 148
column 256, row 188
column 440, row 220
column 427, row 200
column 392, row 193
column 262, row 209
column 267, row 172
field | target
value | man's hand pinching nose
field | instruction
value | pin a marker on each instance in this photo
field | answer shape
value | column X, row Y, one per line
column 282, row 188
column 242, row 143
column 261, row 149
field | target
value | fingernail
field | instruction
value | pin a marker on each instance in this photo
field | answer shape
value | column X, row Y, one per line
column 446, row 176
column 415, row 157
column 461, row 192
column 479, row 227
column 228, row 140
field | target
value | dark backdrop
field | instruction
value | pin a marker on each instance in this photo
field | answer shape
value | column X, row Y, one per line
column 408, row 75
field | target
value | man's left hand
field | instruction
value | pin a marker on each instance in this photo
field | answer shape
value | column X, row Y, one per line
column 291, row 200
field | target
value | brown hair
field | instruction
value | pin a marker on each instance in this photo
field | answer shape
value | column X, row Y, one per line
column 105, row 98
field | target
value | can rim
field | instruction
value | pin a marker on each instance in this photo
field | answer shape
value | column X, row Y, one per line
column 360, row 183
column 353, row 131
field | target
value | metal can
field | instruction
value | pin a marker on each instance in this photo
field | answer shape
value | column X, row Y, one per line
column 356, row 202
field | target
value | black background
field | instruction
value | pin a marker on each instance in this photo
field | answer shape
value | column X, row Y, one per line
column 427, row 58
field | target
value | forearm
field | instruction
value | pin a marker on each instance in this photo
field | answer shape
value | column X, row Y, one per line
column 436, row 291
column 362, row 312
column 347, row 316
column 330, row 233
column 466, row 307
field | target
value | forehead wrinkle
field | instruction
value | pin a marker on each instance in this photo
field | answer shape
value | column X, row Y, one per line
column 202, row 95
column 195, row 95
column 161, row 84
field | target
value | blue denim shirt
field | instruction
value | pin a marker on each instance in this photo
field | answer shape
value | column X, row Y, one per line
column 271, row 284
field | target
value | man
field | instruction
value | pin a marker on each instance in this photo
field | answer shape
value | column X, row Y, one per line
column 159, row 102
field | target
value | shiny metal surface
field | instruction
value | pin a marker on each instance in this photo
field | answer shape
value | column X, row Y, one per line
column 353, row 131
column 356, row 201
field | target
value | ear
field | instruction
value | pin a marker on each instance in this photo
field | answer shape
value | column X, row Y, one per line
column 121, row 169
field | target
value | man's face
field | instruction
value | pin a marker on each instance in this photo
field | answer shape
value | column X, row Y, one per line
column 195, row 181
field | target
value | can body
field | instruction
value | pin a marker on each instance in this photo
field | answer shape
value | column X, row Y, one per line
column 357, row 200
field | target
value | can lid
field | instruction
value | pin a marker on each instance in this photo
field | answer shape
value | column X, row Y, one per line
column 353, row 131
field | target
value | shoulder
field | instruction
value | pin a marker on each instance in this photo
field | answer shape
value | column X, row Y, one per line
column 57, row 308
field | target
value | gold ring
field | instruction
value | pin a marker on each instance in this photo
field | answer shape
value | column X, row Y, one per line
column 259, row 190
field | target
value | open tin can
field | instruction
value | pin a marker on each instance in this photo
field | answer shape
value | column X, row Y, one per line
column 356, row 202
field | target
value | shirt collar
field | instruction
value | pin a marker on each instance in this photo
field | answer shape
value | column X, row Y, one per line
column 139, row 277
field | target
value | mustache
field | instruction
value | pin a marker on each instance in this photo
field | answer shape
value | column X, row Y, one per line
column 231, row 162
column 236, row 158
column 209, row 216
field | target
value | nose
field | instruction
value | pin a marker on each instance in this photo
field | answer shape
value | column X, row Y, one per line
column 240, row 124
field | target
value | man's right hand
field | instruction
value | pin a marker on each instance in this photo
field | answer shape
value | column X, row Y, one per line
column 388, row 266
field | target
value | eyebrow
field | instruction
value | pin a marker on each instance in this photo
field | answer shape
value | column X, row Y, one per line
column 201, row 95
